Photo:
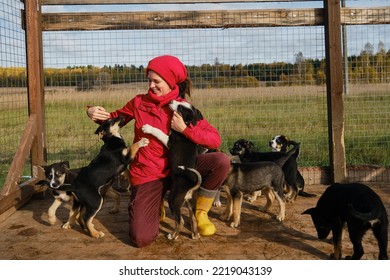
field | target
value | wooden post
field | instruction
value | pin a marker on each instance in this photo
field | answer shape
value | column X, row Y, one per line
column 334, row 82
column 35, row 79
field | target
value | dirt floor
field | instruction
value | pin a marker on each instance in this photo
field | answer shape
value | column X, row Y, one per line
column 27, row 235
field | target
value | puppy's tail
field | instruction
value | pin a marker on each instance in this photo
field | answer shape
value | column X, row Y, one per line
column 297, row 151
column 193, row 175
column 281, row 161
column 363, row 216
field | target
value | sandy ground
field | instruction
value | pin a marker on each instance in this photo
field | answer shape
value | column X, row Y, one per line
column 27, row 235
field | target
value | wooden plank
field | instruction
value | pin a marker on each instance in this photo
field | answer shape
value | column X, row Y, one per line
column 358, row 16
column 35, row 78
column 10, row 203
column 113, row 2
column 178, row 20
column 334, row 82
column 20, row 157
column 206, row 19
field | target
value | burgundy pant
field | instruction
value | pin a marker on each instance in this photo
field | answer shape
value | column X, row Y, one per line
column 145, row 200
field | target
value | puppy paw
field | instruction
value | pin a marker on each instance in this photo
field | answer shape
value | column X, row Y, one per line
column 195, row 235
column 52, row 220
column 67, row 225
column 97, row 234
column 147, row 128
column 280, row 218
column 143, row 142
column 250, row 198
column 217, row 203
column 172, row 236
column 234, row 225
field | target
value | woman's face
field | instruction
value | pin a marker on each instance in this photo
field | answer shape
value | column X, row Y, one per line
column 157, row 84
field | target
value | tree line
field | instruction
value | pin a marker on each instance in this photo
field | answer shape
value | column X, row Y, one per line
column 367, row 67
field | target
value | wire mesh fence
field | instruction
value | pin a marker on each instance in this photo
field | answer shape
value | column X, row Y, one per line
column 13, row 89
column 249, row 82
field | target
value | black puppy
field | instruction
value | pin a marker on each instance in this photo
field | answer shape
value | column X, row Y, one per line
column 182, row 157
column 93, row 180
column 360, row 208
column 294, row 179
column 247, row 177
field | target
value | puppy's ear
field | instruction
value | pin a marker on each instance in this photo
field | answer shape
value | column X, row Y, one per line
column 100, row 130
column 97, row 131
column 44, row 168
column 121, row 120
column 249, row 144
column 309, row 211
column 291, row 142
column 186, row 115
column 198, row 115
column 65, row 164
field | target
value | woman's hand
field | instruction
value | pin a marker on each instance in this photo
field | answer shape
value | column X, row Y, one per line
column 177, row 122
column 97, row 113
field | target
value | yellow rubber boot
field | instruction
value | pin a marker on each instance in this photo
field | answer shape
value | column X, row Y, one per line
column 203, row 205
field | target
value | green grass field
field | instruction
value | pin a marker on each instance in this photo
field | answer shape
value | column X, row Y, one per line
column 256, row 114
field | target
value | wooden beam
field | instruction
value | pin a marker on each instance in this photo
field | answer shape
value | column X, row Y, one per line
column 35, row 78
column 178, row 20
column 21, row 156
column 10, row 203
column 334, row 82
column 359, row 16
column 207, row 19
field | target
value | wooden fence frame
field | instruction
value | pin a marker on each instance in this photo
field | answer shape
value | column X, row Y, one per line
column 33, row 141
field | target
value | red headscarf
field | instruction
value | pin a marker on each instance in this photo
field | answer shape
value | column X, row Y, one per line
column 168, row 67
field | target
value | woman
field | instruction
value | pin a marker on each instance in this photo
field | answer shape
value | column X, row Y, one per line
column 168, row 80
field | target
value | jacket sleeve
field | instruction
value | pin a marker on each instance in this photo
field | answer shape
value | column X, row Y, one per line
column 203, row 134
column 126, row 111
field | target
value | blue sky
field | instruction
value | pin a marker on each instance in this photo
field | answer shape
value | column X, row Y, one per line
column 194, row 47
column 213, row 6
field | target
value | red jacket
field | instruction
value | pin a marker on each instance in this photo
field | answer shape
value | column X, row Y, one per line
column 151, row 162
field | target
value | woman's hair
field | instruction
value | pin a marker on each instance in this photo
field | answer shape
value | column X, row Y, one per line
column 185, row 88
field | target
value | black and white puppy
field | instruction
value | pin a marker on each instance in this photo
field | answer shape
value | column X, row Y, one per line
column 182, row 158
column 93, row 180
column 357, row 206
column 58, row 174
column 280, row 143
